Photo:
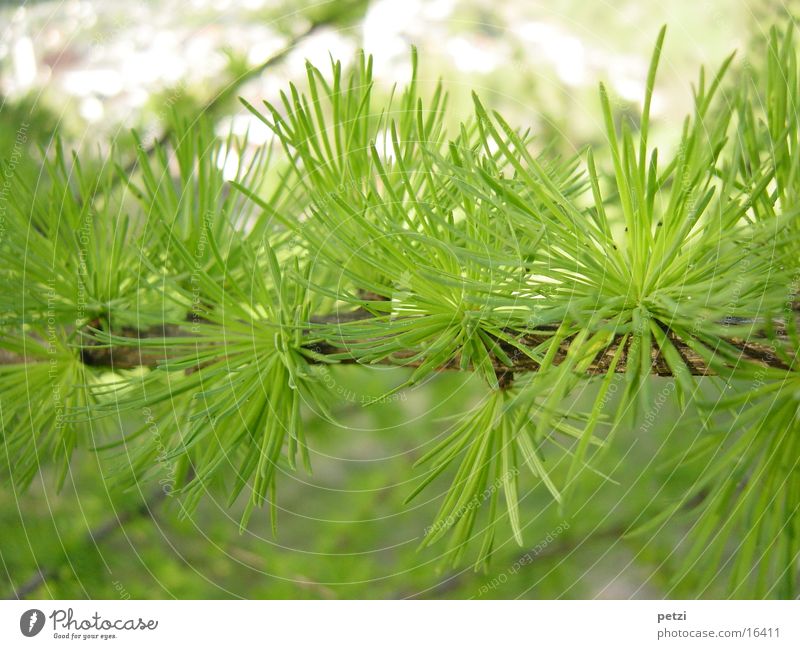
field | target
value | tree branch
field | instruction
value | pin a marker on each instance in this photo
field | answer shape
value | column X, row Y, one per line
column 93, row 537
column 130, row 356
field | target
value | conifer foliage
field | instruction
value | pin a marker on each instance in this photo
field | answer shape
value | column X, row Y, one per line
column 175, row 318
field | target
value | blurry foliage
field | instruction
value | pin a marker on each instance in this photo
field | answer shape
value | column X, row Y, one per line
column 205, row 557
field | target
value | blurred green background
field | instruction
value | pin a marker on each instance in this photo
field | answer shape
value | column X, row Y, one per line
column 93, row 70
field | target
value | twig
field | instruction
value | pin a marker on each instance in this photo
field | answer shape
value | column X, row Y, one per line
column 95, row 536
column 230, row 90
column 131, row 355
column 455, row 579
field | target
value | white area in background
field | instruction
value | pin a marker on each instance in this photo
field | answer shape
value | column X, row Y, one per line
column 576, row 65
column 112, row 57
column 112, row 60
column 390, row 27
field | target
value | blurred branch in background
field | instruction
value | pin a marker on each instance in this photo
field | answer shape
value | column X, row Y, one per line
column 49, row 572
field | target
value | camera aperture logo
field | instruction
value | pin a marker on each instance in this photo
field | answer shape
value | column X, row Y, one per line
column 31, row 622
column 66, row 626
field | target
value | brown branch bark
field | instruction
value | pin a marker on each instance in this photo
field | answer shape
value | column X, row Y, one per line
column 130, row 356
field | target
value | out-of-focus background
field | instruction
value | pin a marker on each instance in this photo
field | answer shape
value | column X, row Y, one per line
column 92, row 71
column 102, row 68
